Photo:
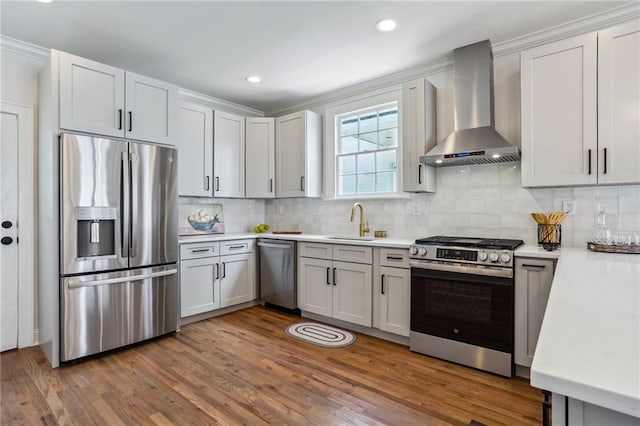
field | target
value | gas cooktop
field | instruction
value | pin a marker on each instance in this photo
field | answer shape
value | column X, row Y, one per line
column 486, row 243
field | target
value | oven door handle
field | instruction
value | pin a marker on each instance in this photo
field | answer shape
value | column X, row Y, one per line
column 462, row 269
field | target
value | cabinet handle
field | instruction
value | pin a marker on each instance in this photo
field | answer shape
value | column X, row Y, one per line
column 335, row 282
column 270, row 185
column 200, row 250
column 217, row 183
column 224, row 269
column 328, row 283
column 589, row 161
column 605, row 162
column 419, row 173
column 206, row 185
column 394, row 258
column 527, row 265
column 236, row 247
column 120, row 119
column 382, row 284
column 217, row 271
column 546, row 407
column 130, row 121
column 301, row 183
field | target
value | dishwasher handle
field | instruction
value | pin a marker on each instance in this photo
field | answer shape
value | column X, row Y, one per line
column 275, row 245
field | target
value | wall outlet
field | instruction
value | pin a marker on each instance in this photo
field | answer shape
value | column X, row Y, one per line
column 415, row 209
column 569, row 207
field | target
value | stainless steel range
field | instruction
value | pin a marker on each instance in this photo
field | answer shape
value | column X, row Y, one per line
column 462, row 301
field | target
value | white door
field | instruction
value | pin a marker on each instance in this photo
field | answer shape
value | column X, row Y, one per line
column 195, row 150
column 395, row 300
column 619, row 104
column 260, row 157
column 91, row 96
column 314, row 285
column 352, row 293
column 199, row 286
column 151, row 109
column 290, row 155
column 228, row 155
column 236, row 280
column 559, row 113
column 17, row 218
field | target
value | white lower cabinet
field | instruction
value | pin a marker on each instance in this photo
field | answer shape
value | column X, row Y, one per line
column 532, row 287
column 395, row 300
column 334, row 288
column 216, row 275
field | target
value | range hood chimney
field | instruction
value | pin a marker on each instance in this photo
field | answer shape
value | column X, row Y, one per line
column 475, row 140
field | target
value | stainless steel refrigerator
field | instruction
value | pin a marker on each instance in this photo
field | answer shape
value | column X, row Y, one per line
column 119, row 243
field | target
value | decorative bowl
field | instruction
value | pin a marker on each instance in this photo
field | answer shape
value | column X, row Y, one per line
column 202, row 222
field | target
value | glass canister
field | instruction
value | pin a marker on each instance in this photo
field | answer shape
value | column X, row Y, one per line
column 549, row 236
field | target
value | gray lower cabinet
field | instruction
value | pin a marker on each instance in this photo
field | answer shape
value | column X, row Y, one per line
column 393, row 291
column 532, row 287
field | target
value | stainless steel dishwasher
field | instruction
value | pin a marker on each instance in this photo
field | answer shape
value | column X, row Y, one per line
column 278, row 286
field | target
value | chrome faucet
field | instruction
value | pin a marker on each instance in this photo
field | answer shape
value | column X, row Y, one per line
column 363, row 228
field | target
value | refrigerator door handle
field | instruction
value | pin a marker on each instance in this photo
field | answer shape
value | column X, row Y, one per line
column 78, row 284
column 125, row 198
column 133, row 243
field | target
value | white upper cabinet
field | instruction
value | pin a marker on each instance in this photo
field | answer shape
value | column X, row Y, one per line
column 91, row 96
column 260, row 157
column 580, row 109
column 619, row 104
column 150, row 106
column 228, row 155
column 104, row 100
column 299, row 155
column 195, row 150
column 418, row 135
column 559, row 117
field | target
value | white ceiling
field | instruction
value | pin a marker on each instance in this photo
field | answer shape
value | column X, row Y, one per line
column 301, row 49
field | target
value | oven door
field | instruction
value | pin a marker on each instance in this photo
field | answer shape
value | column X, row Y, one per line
column 464, row 304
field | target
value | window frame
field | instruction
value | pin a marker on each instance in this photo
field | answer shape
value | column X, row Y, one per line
column 368, row 101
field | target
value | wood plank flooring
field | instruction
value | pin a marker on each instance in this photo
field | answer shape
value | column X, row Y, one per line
column 241, row 368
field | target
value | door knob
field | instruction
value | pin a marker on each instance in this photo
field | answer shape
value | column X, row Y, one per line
column 6, row 224
column 6, row 240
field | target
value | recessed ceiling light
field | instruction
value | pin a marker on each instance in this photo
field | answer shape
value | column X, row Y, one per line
column 45, row 1
column 253, row 79
column 385, row 25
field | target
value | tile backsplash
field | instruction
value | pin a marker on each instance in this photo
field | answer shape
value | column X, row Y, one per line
column 480, row 200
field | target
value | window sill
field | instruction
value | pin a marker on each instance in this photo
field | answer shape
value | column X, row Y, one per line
column 403, row 196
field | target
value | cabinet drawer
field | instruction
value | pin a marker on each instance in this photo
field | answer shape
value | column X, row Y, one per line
column 236, row 247
column 398, row 258
column 356, row 254
column 317, row 250
column 199, row 250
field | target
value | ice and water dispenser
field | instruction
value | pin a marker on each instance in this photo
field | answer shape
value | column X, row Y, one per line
column 96, row 231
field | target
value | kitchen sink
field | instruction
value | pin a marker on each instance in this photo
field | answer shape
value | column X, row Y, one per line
column 348, row 237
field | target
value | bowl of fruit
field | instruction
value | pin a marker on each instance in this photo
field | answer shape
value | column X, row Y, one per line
column 261, row 229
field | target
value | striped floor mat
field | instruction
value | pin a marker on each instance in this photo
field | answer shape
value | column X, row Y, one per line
column 320, row 334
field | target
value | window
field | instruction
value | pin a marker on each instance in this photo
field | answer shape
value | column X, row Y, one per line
column 363, row 148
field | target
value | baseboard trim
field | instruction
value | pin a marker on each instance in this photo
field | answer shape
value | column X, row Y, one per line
column 216, row 313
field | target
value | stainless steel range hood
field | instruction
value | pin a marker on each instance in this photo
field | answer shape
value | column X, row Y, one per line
column 475, row 140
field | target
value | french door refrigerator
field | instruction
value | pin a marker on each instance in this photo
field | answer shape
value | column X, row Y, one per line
column 118, row 243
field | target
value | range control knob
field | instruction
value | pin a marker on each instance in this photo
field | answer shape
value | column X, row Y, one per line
column 422, row 251
column 482, row 256
column 413, row 250
column 505, row 258
column 493, row 257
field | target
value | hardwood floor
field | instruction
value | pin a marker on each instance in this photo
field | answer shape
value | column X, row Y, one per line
column 242, row 368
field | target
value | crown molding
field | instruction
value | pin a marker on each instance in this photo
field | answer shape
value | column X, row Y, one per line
column 579, row 26
column 23, row 48
column 217, row 103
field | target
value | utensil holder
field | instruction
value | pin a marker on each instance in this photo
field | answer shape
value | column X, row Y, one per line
column 549, row 236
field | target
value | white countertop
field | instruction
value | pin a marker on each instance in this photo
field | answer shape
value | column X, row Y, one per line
column 536, row 251
column 376, row 242
column 589, row 344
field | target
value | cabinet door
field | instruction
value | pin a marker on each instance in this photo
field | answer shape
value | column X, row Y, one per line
column 314, row 285
column 559, row 117
column 418, row 135
column 290, row 155
column 91, row 96
column 195, row 150
column 395, row 300
column 228, row 155
column 619, row 104
column 151, row 109
column 533, row 284
column 199, row 287
column 237, row 283
column 352, row 293
column 260, row 157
